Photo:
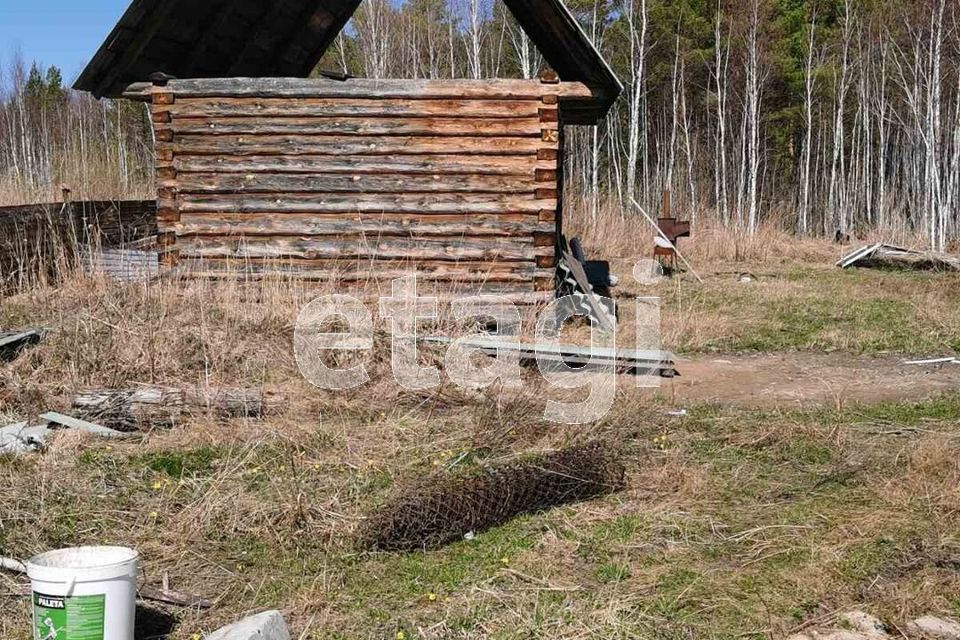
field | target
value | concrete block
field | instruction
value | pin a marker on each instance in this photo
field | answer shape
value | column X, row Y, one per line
column 936, row 628
column 268, row 625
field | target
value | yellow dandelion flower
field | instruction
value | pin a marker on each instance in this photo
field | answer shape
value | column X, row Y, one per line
column 504, row 560
column 432, row 597
column 157, row 485
column 196, row 636
column 401, row 635
column 154, row 515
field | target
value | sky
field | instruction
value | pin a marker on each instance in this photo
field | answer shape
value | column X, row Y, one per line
column 65, row 33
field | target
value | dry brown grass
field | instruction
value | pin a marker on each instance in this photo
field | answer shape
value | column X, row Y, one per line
column 735, row 522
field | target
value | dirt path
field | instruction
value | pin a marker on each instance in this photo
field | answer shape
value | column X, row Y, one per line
column 799, row 380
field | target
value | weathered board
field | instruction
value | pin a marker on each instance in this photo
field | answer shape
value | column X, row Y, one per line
column 458, row 180
column 38, row 242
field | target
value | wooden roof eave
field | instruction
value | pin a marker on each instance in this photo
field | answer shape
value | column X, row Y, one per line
column 132, row 52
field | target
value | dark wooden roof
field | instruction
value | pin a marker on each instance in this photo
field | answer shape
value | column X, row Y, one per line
column 286, row 38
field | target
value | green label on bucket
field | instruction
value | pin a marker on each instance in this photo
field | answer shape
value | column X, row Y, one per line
column 75, row 618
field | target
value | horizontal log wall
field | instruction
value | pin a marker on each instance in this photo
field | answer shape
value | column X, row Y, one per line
column 361, row 180
column 37, row 240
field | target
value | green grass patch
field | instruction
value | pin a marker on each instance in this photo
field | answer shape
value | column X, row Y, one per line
column 186, row 463
column 867, row 560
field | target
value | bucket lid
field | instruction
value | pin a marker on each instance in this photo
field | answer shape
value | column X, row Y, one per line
column 84, row 564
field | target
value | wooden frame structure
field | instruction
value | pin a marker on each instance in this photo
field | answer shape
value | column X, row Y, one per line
column 358, row 179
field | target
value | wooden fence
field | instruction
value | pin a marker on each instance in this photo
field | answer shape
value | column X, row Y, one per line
column 39, row 241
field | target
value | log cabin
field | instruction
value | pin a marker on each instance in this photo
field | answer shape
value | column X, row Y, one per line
column 263, row 168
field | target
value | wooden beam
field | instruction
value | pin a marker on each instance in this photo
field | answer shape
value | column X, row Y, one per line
column 371, row 88
column 146, row 32
column 310, row 225
column 430, row 165
column 292, row 145
column 352, row 107
column 278, row 247
column 236, row 183
column 360, row 126
column 445, row 203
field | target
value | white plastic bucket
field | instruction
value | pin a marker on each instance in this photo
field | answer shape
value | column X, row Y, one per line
column 84, row 593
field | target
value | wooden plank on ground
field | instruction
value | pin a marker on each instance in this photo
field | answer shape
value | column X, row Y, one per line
column 623, row 360
column 53, row 417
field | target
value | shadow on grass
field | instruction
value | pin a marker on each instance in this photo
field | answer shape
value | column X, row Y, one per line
column 153, row 623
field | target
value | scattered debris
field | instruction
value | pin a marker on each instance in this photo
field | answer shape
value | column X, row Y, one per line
column 13, row 566
column 177, row 598
column 635, row 361
column 268, row 625
column 864, row 623
column 137, row 262
column 59, row 419
column 129, row 409
column 14, row 342
column 857, row 625
column 933, row 361
column 598, row 271
column 677, row 413
column 746, row 278
column 874, row 255
column 19, row 439
column 445, row 507
column 592, row 299
column 934, row 628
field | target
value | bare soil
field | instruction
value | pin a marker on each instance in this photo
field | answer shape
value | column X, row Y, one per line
column 807, row 380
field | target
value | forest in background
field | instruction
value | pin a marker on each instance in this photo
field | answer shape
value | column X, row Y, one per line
column 815, row 116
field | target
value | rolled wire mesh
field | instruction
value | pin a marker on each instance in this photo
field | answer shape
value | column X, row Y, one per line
column 444, row 508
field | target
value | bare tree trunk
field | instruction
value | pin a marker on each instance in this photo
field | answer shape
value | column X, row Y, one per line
column 753, row 116
column 809, row 86
column 638, row 50
column 721, row 64
column 837, row 201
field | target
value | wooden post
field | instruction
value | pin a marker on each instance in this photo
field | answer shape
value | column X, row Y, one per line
column 168, row 209
column 547, row 175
